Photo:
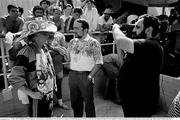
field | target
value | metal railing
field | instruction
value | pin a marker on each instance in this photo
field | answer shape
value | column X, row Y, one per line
column 3, row 57
column 93, row 33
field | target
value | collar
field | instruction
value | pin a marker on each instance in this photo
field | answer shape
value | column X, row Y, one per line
column 87, row 37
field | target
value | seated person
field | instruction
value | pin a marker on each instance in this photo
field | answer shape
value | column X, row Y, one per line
column 91, row 15
column 12, row 22
column 77, row 12
column 45, row 5
column 105, row 21
column 66, row 12
column 37, row 11
column 57, row 12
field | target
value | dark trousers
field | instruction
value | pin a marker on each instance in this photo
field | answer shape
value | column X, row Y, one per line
column 81, row 90
column 137, row 106
column 43, row 109
column 59, row 91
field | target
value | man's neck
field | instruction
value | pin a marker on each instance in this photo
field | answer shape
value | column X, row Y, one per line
column 11, row 18
column 81, row 39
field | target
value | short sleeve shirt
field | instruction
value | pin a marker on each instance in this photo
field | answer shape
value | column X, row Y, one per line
column 85, row 54
column 101, row 20
column 13, row 27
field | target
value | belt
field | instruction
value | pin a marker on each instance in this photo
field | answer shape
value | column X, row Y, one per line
column 80, row 72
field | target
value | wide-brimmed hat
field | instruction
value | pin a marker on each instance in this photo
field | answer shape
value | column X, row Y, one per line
column 107, row 11
column 36, row 26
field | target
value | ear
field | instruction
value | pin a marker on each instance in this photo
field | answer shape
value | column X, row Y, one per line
column 86, row 30
column 148, row 31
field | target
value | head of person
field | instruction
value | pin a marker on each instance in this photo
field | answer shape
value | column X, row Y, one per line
column 107, row 13
column 57, row 12
column 51, row 10
column 67, row 9
column 13, row 11
column 38, row 11
column 21, row 11
column 81, row 28
column 147, row 26
column 90, row 4
column 45, row 4
column 38, row 31
column 77, row 12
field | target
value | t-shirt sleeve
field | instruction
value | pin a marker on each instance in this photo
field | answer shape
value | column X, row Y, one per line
column 17, row 77
column 97, row 52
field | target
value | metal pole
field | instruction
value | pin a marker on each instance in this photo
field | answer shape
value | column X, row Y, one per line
column 3, row 61
column 164, row 7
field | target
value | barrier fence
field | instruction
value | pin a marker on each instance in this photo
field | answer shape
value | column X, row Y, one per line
column 3, row 57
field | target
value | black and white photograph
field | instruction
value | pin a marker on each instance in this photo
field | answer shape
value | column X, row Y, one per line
column 98, row 59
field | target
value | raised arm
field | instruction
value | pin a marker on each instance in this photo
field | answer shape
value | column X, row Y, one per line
column 121, row 40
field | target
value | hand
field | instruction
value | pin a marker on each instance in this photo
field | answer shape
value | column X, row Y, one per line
column 91, row 79
column 61, row 50
column 9, row 37
column 67, row 65
column 36, row 95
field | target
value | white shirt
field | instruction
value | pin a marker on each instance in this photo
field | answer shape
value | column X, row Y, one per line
column 101, row 20
column 91, row 16
column 77, row 3
column 85, row 54
column 64, row 17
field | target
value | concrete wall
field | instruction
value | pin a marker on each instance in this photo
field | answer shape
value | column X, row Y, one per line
column 169, row 89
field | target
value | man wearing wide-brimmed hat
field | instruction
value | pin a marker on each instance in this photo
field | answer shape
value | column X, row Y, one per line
column 33, row 73
column 105, row 21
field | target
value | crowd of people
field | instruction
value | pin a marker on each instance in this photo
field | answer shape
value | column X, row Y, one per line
column 145, row 47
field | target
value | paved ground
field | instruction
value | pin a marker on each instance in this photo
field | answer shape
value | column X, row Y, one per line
column 104, row 108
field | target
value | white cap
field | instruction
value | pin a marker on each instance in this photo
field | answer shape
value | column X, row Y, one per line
column 130, row 18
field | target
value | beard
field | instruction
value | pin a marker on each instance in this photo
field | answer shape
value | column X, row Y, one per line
column 79, row 36
column 142, row 35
